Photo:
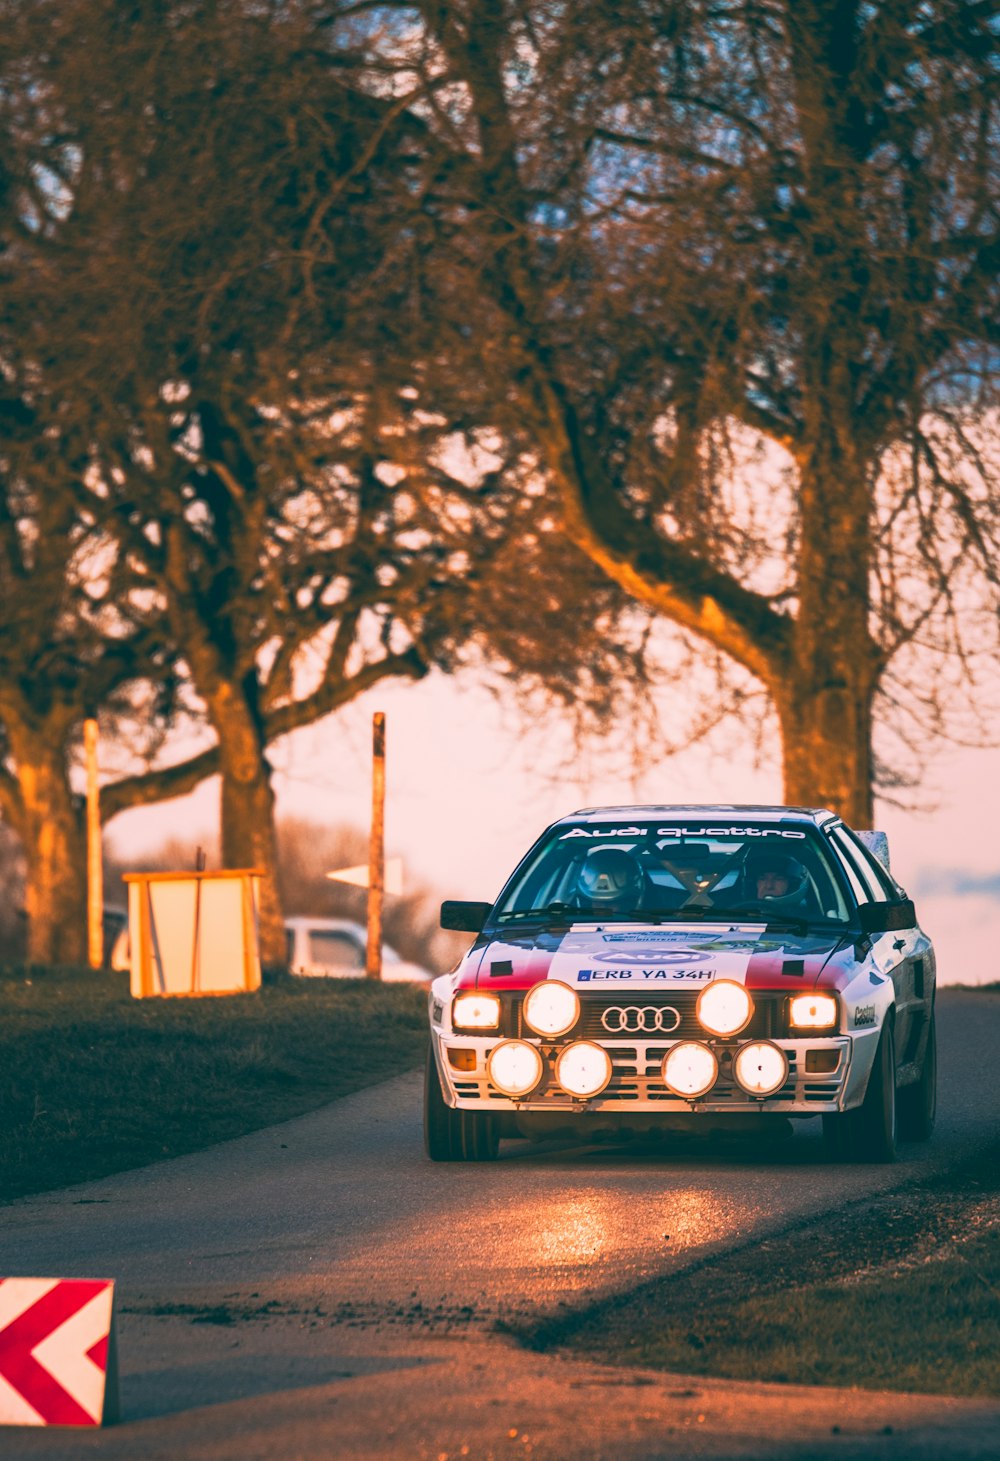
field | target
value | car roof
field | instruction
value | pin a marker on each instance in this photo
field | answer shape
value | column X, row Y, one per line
column 326, row 925
column 818, row 816
column 338, row 925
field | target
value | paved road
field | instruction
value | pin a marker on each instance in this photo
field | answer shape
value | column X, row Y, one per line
column 359, row 1280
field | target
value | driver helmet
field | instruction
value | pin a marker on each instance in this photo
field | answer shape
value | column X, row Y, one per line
column 773, row 865
column 610, row 878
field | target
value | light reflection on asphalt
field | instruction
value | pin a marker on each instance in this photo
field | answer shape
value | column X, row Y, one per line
column 591, row 1229
column 563, row 1235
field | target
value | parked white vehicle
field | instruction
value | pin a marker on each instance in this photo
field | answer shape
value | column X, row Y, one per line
column 326, row 948
column 334, row 948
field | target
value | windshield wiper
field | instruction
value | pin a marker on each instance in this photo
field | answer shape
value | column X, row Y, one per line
column 696, row 912
column 617, row 915
column 549, row 909
column 794, row 921
column 587, row 915
column 693, row 910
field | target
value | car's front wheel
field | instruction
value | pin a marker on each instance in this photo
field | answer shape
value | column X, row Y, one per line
column 455, row 1136
column 868, row 1134
column 918, row 1103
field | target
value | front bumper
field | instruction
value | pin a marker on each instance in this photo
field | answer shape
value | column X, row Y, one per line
column 637, row 1083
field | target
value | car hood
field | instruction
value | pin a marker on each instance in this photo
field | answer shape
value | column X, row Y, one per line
column 610, row 955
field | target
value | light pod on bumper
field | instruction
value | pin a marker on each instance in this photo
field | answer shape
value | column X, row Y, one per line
column 760, row 1068
column 551, row 1008
column 475, row 1012
column 690, row 1069
column 813, row 1012
column 514, row 1067
column 583, row 1069
column 724, row 1007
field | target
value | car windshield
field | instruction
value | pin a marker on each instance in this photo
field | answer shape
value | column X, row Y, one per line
column 653, row 870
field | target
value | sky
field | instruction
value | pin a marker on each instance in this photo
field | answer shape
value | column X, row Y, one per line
column 470, row 784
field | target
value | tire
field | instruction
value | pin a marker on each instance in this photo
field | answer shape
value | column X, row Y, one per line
column 455, row 1136
column 918, row 1103
column 868, row 1134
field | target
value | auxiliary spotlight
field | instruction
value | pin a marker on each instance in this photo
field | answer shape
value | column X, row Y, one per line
column 583, row 1069
column 514, row 1067
column 690, row 1069
column 724, row 1007
column 760, row 1068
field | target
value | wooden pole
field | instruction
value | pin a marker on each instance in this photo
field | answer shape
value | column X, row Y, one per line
column 95, row 870
column 376, row 850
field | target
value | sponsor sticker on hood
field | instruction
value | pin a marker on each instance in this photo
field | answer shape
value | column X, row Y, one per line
column 671, row 958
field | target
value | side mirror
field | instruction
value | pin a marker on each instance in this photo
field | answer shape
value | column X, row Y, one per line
column 886, row 917
column 464, row 917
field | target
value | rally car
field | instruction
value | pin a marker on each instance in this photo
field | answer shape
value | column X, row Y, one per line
column 648, row 969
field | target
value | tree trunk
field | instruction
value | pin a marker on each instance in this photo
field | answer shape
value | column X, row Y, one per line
column 825, row 697
column 248, row 840
column 53, row 836
column 247, row 810
column 826, row 733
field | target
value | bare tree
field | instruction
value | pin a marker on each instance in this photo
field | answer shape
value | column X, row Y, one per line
column 714, row 254
column 207, row 277
column 67, row 646
column 189, row 238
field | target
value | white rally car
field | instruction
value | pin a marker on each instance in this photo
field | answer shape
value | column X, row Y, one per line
column 655, row 968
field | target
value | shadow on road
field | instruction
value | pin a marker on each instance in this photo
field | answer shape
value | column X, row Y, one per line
column 793, row 1150
column 180, row 1388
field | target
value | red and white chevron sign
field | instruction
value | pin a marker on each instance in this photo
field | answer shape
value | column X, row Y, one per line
column 57, row 1352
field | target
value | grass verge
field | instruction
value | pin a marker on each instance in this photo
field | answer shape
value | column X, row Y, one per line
column 901, row 1292
column 93, row 1082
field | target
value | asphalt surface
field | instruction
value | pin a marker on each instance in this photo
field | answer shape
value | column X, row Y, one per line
column 319, row 1289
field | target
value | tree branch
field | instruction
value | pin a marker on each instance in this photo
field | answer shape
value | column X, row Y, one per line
column 148, row 787
column 667, row 576
column 334, row 693
column 664, row 575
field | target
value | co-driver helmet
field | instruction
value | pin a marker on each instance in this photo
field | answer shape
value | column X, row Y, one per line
column 768, row 860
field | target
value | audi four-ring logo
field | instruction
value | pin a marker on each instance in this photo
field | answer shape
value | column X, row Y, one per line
column 633, row 1019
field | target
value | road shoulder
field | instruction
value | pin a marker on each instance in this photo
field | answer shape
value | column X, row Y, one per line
column 290, row 1386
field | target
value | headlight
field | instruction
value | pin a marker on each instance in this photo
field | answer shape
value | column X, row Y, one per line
column 514, row 1067
column 724, row 1007
column 476, row 1012
column 583, row 1068
column 813, row 1011
column 690, row 1069
column 760, row 1068
column 551, row 1008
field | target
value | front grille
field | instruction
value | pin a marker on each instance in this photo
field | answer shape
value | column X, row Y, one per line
column 595, row 1009
column 767, row 1022
column 637, row 1076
